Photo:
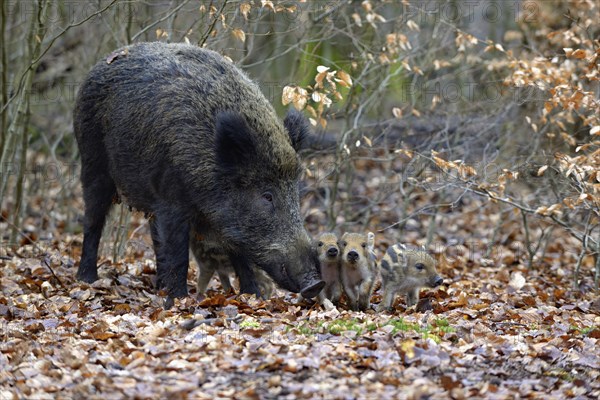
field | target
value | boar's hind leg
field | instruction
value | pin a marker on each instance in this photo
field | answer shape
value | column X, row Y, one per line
column 98, row 192
column 245, row 274
column 171, row 244
column 157, row 253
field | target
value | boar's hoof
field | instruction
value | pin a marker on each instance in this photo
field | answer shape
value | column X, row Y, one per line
column 169, row 302
column 383, row 309
column 312, row 290
column 88, row 277
column 424, row 305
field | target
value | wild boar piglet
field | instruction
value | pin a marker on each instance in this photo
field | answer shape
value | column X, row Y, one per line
column 212, row 258
column 405, row 271
column 329, row 257
column 358, row 269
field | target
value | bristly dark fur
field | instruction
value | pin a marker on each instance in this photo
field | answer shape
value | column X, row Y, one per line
column 181, row 133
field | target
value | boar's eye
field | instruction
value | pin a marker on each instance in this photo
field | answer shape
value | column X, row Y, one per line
column 420, row 266
column 268, row 196
column 363, row 245
column 320, row 244
column 343, row 244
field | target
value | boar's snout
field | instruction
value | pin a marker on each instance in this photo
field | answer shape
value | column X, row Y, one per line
column 312, row 282
column 298, row 270
column 332, row 252
column 352, row 256
column 437, row 281
column 312, row 290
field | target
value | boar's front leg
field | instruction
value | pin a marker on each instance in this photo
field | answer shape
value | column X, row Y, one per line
column 364, row 295
column 412, row 297
column 336, row 292
column 387, row 299
column 171, row 244
column 352, row 293
column 264, row 283
column 245, row 274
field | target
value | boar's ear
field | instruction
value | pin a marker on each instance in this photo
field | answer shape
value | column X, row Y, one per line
column 234, row 141
column 297, row 127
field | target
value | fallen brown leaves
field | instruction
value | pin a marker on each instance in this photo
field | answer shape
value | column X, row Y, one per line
column 502, row 335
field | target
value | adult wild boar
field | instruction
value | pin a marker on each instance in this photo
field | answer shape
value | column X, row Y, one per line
column 181, row 133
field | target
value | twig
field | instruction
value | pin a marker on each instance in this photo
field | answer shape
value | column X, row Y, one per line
column 495, row 232
column 26, row 236
column 548, row 237
column 47, row 264
column 530, row 250
column 36, row 246
column 483, row 192
column 577, row 22
column 158, row 21
column 420, row 210
column 597, row 274
column 43, row 53
column 432, row 224
column 581, row 255
column 212, row 25
column 527, row 241
column 329, row 12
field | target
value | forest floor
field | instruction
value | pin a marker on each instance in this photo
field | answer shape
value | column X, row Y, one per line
column 495, row 329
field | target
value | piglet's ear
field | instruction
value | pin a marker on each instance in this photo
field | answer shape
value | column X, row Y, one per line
column 235, row 144
column 297, row 127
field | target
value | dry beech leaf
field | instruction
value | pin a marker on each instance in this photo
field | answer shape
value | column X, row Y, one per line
column 345, row 78
column 239, row 34
column 517, row 281
column 245, row 10
column 541, row 170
